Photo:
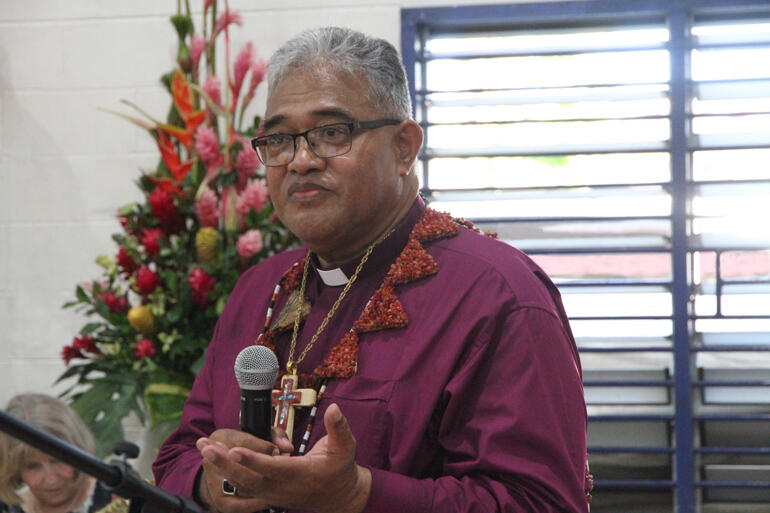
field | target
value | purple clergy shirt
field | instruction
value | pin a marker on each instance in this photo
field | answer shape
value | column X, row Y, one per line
column 476, row 405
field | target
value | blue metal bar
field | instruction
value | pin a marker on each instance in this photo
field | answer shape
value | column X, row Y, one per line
column 732, row 348
column 632, row 349
column 680, row 167
column 631, row 418
column 733, row 450
column 632, row 483
column 733, row 417
column 733, row 484
column 744, row 383
column 626, row 383
column 640, row 450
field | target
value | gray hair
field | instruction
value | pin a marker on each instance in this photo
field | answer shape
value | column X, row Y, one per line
column 52, row 416
column 344, row 50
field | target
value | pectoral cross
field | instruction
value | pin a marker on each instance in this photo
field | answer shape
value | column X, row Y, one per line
column 287, row 398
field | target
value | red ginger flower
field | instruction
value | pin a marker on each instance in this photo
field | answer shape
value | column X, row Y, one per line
column 254, row 197
column 163, row 207
column 201, row 284
column 68, row 353
column 246, row 164
column 150, row 240
column 207, row 145
column 146, row 280
column 243, row 63
column 207, row 208
column 144, row 349
column 197, row 45
column 249, row 244
column 213, row 88
column 258, row 70
column 228, row 17
column 116, row 304
column 85, row 343
column 125, row 261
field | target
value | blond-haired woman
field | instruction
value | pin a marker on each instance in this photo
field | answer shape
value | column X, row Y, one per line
column 33, row 482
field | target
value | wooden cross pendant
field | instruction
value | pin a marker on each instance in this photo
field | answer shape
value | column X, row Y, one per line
column 290, row 397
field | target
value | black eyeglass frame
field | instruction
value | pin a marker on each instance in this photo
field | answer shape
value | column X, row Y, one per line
column 257, row 142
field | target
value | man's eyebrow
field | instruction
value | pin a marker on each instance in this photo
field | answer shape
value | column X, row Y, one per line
column 332, row 112
column 270, row 123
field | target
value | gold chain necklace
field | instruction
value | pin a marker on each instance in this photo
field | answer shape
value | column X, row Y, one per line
column 291, row 364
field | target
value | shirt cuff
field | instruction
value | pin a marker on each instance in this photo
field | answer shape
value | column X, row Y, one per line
column 395, row 492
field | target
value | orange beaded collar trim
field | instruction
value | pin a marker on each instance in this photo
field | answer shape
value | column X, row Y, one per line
column 384, row 310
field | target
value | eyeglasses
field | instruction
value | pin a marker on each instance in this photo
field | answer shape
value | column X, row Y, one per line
column 324, row 141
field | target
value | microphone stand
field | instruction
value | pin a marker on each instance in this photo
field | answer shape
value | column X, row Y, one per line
column 117, row 476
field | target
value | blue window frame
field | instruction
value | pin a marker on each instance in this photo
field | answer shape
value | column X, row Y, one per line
column 625, row 145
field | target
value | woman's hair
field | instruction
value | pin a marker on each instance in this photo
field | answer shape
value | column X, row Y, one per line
column 52, row 416
column 341, row 50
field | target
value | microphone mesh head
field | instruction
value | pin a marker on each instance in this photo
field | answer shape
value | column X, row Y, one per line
column 256, row 368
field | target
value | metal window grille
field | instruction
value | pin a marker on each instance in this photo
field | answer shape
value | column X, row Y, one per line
column 626, row 147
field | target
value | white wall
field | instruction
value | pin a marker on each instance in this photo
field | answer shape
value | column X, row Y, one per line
column 65, row 167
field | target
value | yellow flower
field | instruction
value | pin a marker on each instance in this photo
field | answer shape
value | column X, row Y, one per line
column 141, row 319
column 206, row 244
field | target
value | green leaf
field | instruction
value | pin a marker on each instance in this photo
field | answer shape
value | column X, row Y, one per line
column 90, row 328
column 165, row 402
column 103, row 408
column 81, row 294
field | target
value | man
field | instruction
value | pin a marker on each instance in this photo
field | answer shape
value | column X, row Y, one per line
column 449, row 377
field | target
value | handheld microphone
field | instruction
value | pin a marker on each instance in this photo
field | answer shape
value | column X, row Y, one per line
column 256, row 368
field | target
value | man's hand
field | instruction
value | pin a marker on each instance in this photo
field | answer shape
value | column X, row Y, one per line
column 214, row 451
column 325, row 480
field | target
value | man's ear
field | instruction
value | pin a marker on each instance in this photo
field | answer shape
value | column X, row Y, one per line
column 407, row 141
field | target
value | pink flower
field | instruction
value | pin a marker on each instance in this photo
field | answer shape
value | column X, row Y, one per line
column 246, row 163
column 116, row 304
column 254, row 197
column 213, row 88
column 242, row 66
column 144, row 349
column 150, row 239
column 146, row 280
column 227, row 18
column 201, row 284
column 258, row 70
column 206, row 5
column 207, row 208
column 197, row 45
column 68, row 353
column 207, row 145
column 249, row 244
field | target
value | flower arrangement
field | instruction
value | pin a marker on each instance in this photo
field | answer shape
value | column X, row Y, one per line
column 206, row 217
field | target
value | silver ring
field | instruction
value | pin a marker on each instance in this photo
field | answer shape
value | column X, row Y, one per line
column 227, row 488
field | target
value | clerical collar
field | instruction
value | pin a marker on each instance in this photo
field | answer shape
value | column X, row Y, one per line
column 383, row 255
column 333, row 277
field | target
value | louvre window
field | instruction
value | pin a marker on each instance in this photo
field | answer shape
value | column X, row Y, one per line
column 625, row 146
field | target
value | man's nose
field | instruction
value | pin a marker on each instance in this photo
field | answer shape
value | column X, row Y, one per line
column 305, row 161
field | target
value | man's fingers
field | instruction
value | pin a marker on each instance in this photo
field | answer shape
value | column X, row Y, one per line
column 281, row 440
column 341, row 439
column 235, row 438
column 241, row 505
column 270, row 467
